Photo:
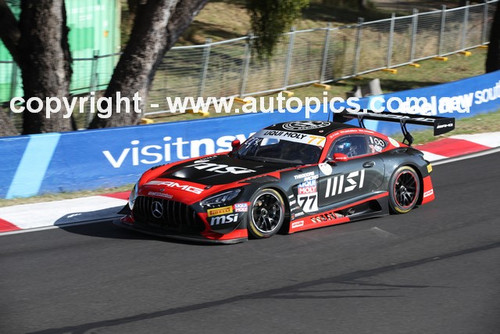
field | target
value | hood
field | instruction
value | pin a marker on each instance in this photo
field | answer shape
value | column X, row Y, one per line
column 220, row 169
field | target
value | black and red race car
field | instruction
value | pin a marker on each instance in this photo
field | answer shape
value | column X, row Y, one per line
column 291, row 177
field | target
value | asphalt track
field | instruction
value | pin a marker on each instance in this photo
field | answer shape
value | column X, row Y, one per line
column 434, row 270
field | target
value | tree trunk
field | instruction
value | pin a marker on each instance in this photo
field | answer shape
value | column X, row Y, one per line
column 45, row 62
column 158, row 25
column 6, row 126
column 493, row 57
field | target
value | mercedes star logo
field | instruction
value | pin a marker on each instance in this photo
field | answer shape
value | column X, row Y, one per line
column 157, row 209
column 305, row 125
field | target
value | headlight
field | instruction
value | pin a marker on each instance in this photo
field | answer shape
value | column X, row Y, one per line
column 133, row 196
column 220, row 199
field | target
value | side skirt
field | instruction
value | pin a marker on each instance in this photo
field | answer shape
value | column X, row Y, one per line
column 374, row 206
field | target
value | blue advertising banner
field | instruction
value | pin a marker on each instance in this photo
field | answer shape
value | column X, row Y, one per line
column 81, row 160
column 84, row 160
column 462, row 98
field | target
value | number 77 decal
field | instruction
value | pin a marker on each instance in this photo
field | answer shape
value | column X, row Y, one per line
column 308, row 203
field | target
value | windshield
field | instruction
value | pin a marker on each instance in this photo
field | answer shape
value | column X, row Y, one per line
column 279, row 150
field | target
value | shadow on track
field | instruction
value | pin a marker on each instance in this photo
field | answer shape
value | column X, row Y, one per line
column 99, row 223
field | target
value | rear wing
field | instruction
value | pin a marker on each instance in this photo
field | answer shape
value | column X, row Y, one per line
column 440, row 124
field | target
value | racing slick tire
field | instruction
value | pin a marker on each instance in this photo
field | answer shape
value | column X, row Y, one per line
column 266, row 214
column 404, row 189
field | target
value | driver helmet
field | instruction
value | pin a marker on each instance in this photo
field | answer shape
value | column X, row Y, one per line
column 344, row 147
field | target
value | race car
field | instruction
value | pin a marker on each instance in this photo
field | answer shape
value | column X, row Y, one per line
column 288, row 177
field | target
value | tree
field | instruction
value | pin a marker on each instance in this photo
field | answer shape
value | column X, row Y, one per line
column 493, row 57
column 39, row 45
column 8, row 128
column 45, row 61
column 270, row 19
column 157, row 26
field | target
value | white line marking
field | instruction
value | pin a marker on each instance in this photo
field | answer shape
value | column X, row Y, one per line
column 60, row 212
column 431, row 156
column 491, row 139
column 465, row 157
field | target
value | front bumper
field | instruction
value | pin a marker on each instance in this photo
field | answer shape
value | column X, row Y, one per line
column 236, row 236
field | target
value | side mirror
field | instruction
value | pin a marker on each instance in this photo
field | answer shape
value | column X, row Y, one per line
column 340, row 157
column 235, row 144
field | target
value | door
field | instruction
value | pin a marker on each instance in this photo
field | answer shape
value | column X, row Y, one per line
column 361, row 174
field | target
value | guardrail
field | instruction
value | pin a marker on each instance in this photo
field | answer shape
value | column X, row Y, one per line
column 227, row 68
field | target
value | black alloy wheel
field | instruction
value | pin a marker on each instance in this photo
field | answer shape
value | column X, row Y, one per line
column 267, row 213
column 404, row 189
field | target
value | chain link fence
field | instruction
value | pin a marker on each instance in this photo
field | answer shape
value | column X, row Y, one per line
column 228, row 68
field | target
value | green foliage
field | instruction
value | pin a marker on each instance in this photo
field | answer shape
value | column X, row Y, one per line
column 269, row 19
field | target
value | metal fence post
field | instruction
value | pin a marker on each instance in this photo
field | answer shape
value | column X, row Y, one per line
column 485, row 22
column 441, row 29
column 93, row 71
column 94, row 79
column 391, row 38
column 204, row 70
column 13, row 84
column 289, row 55
column 413, row 37
column 465, row 25
column 246, row 64
column 325, row 54
column 357, row 46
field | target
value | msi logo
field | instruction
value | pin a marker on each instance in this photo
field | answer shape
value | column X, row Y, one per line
column 220, row 168
column 220, row 220
column 344, row 183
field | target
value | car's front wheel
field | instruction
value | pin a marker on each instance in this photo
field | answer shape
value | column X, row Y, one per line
column 267, row 213
column 404, row 189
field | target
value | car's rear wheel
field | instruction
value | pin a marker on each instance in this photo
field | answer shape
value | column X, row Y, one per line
column 267, row 213
column 404, row 189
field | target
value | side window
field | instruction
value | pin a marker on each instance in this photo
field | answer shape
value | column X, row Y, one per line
column 376, row 144
column 352, row 146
